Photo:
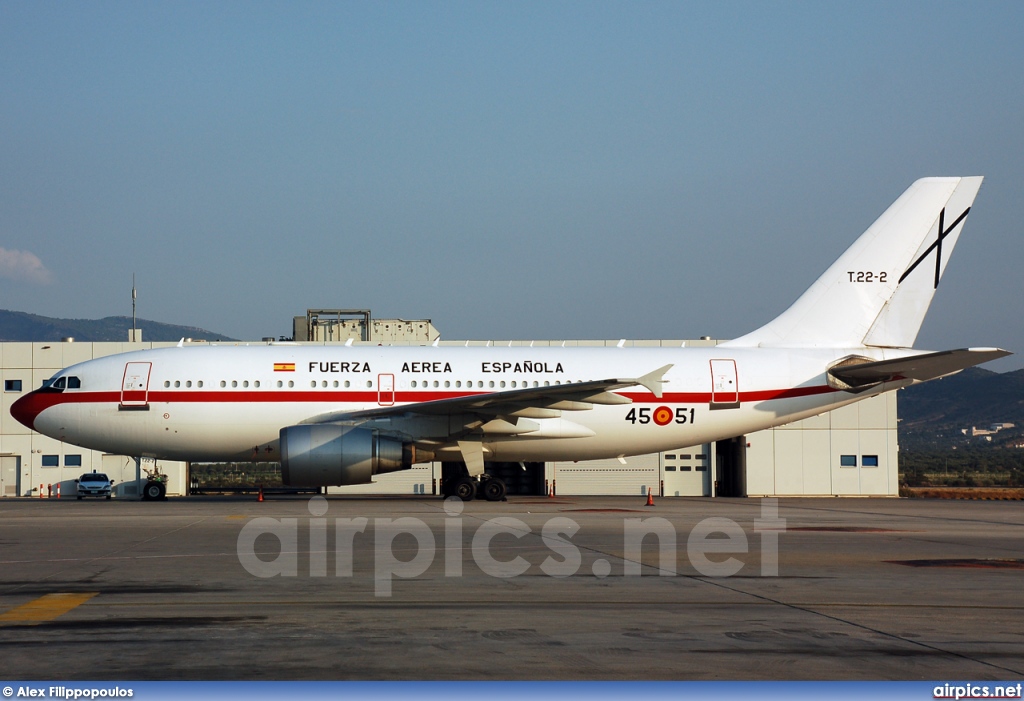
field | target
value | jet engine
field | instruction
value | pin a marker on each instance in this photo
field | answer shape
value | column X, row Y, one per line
column 324, row 455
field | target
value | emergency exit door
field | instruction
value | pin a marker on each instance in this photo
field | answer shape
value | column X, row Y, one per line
column 386, row 390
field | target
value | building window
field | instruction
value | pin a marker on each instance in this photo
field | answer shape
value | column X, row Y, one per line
column 72, row 461
column 869, row 460
column 12, row 385
column 670, row 468
column 51, row 461
column 847, row 461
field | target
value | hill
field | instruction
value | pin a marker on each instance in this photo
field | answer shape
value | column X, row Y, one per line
column 933, row 414
column 19, row 326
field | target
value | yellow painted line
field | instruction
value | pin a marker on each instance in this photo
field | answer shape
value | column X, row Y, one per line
column 45, row 608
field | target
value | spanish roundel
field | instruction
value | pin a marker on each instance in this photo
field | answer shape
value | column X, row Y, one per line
column 663, row 416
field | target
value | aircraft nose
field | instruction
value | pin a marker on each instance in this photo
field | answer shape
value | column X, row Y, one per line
column 27, row 408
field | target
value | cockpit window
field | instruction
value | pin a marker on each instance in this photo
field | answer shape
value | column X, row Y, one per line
column 63, row 383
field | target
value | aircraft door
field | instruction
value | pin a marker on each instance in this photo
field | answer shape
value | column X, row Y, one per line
column 725, row 392
column 386, row 390
column 135, row 387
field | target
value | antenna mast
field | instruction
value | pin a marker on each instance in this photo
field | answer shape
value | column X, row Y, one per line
column 134, row 332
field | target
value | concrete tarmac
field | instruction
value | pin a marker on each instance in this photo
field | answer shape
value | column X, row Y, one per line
column 228, row 588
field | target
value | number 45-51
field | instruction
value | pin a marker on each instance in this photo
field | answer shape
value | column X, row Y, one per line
column 662, row 416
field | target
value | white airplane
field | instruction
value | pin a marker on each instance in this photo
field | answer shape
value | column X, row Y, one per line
column 338, row 415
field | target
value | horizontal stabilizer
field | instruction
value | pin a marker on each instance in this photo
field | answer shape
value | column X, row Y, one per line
column 928, row 366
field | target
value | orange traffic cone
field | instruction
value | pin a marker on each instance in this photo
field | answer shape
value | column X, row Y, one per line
column 650, row 497
column 261, row 493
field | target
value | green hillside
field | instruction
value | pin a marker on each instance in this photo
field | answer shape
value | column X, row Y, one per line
column 933, row 415
column 19, row 326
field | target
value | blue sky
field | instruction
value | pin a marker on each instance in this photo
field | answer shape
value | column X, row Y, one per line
column 509, row 170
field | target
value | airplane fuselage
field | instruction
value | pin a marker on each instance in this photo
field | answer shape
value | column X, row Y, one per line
column 221, row 403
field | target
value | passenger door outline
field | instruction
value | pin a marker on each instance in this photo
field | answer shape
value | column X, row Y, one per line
column 135, row 385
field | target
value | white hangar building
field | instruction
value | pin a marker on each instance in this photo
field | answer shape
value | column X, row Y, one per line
column 848, row 452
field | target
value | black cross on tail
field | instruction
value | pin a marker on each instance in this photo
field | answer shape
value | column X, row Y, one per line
column 937, row 246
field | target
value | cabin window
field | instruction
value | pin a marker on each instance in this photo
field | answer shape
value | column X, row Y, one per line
column 177, row 383
column 347, row 384
column 234, row 383
column 223, row 383
column 435, row 383
column 280, row 383
column 291, row 383
column 167, row 383
column 199, row 384
column 188, row 383
column 413, row 383
column 447, row 383
column 74, row 383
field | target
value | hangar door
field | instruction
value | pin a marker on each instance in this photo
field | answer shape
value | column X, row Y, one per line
column 10, row 471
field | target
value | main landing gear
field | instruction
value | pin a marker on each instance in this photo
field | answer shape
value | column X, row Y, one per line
column 466, row 488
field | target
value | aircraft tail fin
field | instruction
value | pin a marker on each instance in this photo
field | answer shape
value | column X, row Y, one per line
column 878, row 292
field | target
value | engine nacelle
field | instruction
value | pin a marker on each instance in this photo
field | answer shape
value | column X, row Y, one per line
column 326, row 455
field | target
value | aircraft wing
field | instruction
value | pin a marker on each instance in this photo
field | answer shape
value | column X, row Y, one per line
column 927, row 366
column 531, row 402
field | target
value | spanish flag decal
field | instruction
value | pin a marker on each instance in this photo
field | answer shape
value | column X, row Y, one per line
column 284, row 367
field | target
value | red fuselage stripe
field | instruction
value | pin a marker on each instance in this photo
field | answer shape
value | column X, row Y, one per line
column 34, row 403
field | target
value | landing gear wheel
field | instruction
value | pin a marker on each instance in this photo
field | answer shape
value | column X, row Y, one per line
column 464, row 488
column 494, row 489
column 154, row 491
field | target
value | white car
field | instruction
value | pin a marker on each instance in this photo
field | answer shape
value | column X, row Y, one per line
column 94, row 484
